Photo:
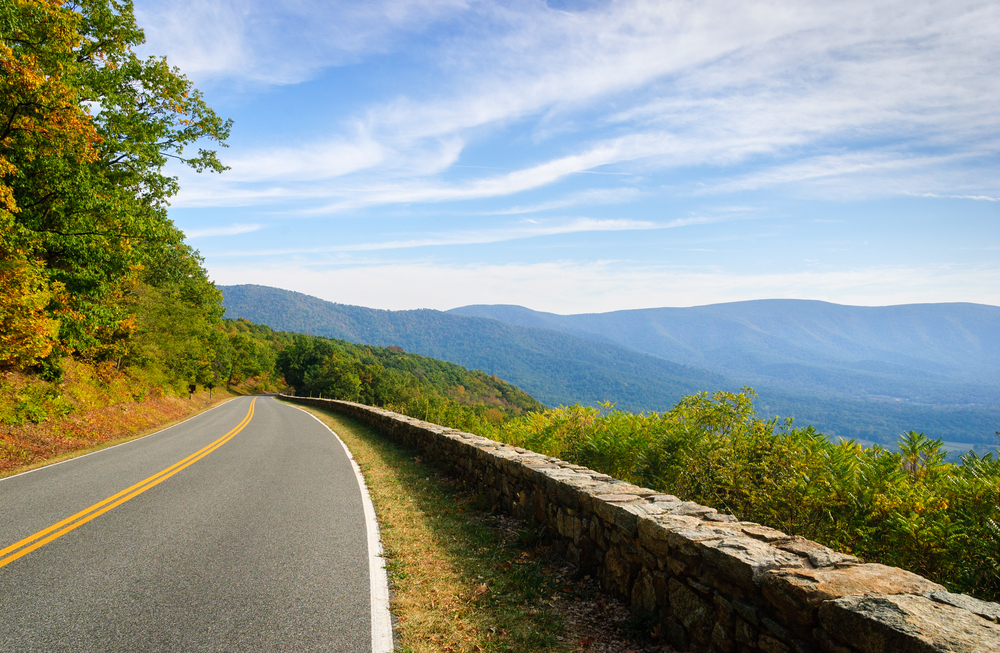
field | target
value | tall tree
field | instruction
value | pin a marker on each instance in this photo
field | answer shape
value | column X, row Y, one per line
column 87, row 128
column 42, row 126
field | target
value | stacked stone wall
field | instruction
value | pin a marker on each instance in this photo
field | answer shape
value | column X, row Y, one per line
column 714, row 583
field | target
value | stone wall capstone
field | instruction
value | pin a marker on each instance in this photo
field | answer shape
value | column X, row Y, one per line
column 714, row 583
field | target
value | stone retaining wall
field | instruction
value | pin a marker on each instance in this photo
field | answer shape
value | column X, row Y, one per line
column 713, row 582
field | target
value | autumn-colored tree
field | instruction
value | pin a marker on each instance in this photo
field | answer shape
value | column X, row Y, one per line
column 42, row 115
column 42, row 121
column 27, row 333
column 86, row 128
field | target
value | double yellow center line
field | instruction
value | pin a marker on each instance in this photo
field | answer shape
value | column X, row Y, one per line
column 55, row 531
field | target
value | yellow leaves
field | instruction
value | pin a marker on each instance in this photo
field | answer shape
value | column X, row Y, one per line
column 27, row 333
column 43, row 112
column 7, row 201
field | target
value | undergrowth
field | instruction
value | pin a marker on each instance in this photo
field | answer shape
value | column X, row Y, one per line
column 27, row 398
column 906, row 508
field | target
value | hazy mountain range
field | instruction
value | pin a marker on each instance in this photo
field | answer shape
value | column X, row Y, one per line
column 553, row 367
column 922, row 353
column 862, row 372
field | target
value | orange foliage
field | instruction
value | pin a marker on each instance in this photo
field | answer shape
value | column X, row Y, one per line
column 42, row 115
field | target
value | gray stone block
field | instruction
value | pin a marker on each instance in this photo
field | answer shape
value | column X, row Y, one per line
column 889, row 623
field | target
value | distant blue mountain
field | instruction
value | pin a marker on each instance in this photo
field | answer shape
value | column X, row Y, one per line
column 866, row 373
column 937, row 354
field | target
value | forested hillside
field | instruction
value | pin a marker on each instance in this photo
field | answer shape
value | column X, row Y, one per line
column 941, row 354
column 561, row 368
column 555, row 368
column 423, row 387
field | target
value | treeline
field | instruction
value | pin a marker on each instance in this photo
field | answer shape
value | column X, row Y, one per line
column 422, row 387
column 556, row 368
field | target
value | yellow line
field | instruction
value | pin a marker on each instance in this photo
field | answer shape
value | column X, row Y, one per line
column 98, row 509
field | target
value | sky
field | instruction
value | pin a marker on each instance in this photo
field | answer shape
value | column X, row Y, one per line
column 578, row 156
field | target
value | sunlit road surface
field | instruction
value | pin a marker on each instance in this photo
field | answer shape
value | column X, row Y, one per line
column 239, row 530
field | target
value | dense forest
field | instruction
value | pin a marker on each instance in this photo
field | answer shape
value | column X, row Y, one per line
column 387, row 376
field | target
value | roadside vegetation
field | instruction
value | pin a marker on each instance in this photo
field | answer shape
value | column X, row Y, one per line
column 88, row 428
column 906, row 508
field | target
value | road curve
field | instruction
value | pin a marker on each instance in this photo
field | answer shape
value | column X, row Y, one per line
column 241, row 529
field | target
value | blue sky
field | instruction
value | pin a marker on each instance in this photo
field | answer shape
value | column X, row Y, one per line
column 584, row 156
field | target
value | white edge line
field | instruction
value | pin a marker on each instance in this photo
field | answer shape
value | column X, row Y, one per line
column 380, row 617
column 122, row 444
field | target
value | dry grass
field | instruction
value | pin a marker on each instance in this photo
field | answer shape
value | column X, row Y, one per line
column 466, row 579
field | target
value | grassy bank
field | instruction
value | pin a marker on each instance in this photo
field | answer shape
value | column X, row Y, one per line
column 30, row 446
column 466, row 579
column 92, row 407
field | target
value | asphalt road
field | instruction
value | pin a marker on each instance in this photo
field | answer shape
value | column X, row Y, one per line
column 259, row 545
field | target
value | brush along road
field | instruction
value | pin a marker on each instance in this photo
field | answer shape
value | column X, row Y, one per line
column 241, row 529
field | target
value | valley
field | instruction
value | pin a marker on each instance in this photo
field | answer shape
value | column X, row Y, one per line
column 851, row 372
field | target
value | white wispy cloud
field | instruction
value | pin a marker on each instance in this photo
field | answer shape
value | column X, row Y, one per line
column 280, row 41
column 808, row 93
column 525, row 229
column 231, row 230
column 978, row 198
column 591, row 197
column 307, row 163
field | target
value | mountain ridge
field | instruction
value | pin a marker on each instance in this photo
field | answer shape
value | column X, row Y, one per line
column 553, row 367
column 855, row 350
column 557, row 367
